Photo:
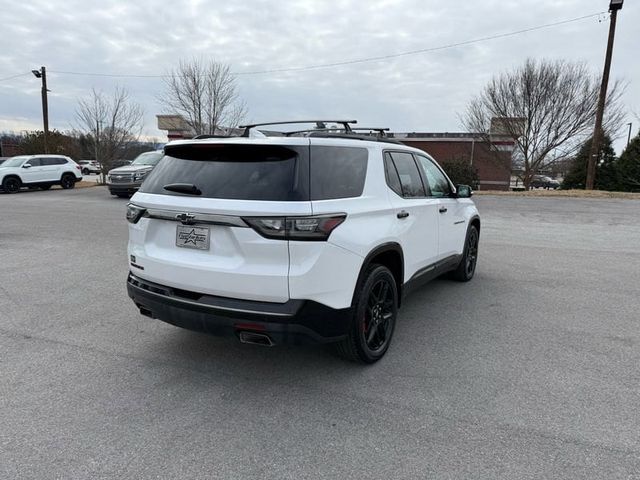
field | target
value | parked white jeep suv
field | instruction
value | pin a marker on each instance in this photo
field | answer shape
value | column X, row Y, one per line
column 315, row 237
column 41, row 171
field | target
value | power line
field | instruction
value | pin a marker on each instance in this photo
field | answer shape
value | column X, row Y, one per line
column 14, row 76
column 423, row 50
column 345, row 62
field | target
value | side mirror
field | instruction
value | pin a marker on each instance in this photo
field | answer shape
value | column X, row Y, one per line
column 464, row 191
column 26, row 165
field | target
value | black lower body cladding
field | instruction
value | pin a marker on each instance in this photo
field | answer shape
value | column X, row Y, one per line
column 292, row 322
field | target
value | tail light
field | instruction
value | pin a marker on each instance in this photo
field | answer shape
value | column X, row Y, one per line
column 134, row 213
column 79, row 167
column 314, row 228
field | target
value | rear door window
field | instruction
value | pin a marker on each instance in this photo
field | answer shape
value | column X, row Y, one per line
column 235, row 172
column 393, row 180
column 48, row 161
column 337, row 172
column 409, row 175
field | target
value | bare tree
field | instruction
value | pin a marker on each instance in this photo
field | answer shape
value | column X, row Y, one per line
column 205, row 94
column 547, row 107
column 112, row 123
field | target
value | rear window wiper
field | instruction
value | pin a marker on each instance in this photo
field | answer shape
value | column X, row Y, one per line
column 188, row 188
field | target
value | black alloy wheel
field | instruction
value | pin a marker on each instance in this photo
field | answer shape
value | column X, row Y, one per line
column 375, row 311
column 467, row 266
column 377, row 321
column 472, row 252
column 68, row 181
column 11, row 185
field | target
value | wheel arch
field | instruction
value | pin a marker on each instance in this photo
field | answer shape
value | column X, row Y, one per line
column 11, row 175
column 391, row 256
column 475, row 221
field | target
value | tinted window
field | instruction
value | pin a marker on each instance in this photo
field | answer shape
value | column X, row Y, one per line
column 337, row 172
column 438, row 183
column 34, row 162
column 409, row 175
column 393, row 180
column 237, row 172
column 53, row 161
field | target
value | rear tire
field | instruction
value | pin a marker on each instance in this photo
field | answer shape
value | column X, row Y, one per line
column 11, row 185
column 67, row 181
column 374, row 317
column 85, row 172
column 467, row 266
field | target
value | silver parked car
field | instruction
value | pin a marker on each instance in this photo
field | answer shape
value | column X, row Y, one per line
column 126, row 180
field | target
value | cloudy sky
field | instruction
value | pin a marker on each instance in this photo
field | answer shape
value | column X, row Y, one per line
column 420, row 92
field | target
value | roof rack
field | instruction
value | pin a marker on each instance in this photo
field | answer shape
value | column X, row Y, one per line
column 354, row 136
column 381, row 130
column 314, row 130
column 320, row 124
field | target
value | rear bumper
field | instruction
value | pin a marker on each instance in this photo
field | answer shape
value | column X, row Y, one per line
column 292, row 322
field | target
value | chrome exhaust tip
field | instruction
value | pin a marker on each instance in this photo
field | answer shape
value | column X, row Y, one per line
column 256, row 339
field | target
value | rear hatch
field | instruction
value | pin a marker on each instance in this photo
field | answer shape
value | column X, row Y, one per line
column 196, row 208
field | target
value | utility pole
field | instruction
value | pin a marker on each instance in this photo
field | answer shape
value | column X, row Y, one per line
column 42, row 74
column 614, row 6
column 629, row 135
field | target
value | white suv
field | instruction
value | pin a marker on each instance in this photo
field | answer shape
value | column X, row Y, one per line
column 314, row 237
column 41, row 171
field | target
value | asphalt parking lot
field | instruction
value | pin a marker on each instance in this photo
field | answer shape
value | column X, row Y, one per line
column 529, row 371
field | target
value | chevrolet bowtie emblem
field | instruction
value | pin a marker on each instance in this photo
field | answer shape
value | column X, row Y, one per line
column 185, row 218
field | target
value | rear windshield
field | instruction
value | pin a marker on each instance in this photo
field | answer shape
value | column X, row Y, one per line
column 235, row 172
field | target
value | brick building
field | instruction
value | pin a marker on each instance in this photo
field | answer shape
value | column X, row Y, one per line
column 9, row 148
column 492, row 159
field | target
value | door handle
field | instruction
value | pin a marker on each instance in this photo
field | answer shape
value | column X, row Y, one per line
column 403, row 214
column 443, row 209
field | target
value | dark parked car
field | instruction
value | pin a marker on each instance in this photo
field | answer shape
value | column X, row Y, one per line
column 542, row 181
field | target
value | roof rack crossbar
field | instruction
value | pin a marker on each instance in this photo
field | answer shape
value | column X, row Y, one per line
column 319, row 123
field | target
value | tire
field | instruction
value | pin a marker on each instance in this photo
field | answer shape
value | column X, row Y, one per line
column 86, row 172
column 11, row 185
column 374, row 317
column 68, row 181
column 45, row 187
column 467, row 266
